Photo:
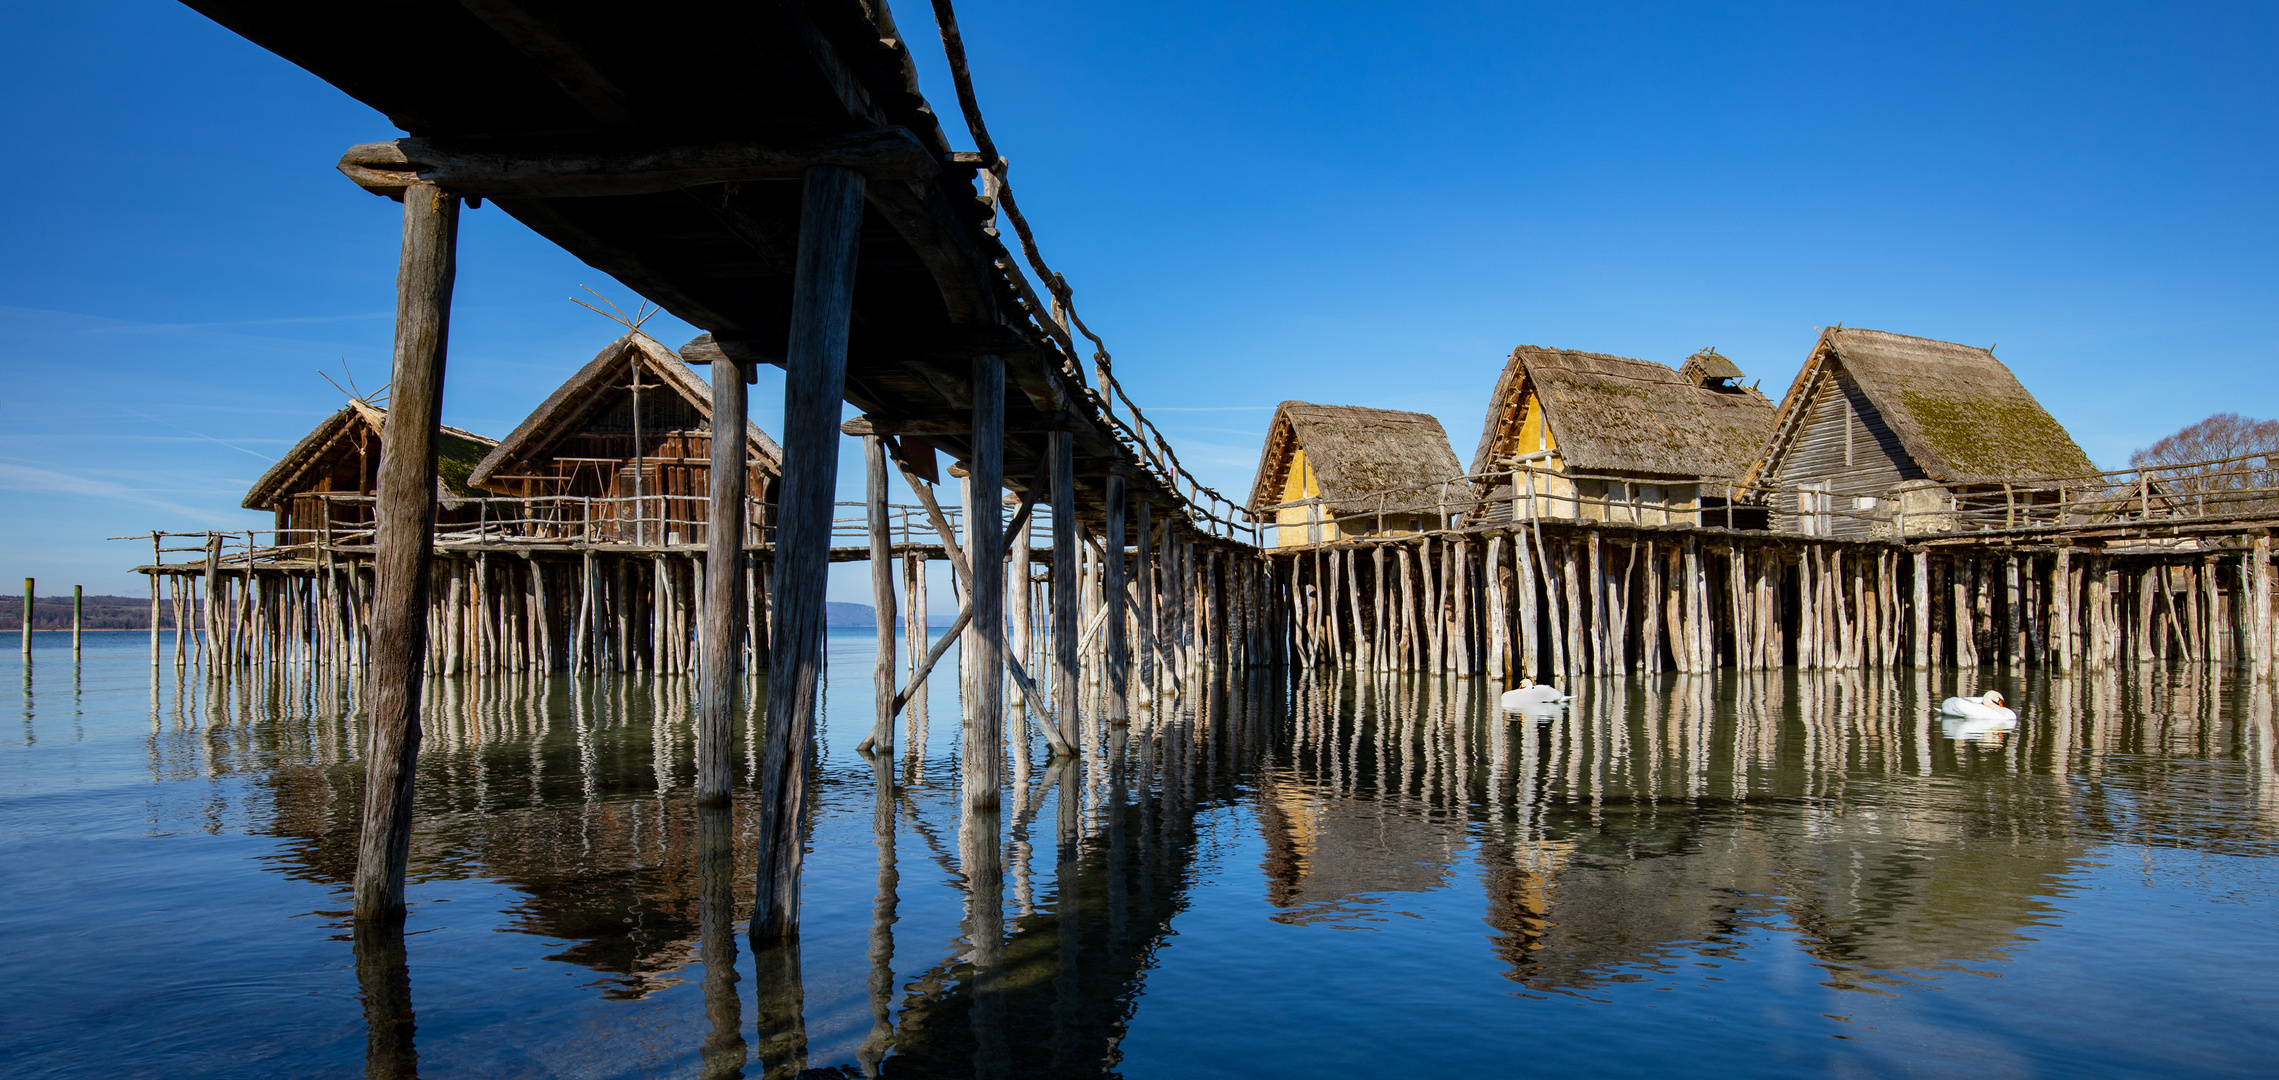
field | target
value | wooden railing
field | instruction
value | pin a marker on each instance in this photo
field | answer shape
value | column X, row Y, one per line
column 2242, row 488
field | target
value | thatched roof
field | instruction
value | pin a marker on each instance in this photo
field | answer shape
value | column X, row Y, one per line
column 457, row 453
column 1356, row 452
column 1959, row 413
column 1612, row 414
column 566, row 410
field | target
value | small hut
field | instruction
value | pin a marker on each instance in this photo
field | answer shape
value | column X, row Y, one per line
column 1608, row 438
column 1885, row 433
column 1332, row 471
column 322, row 488
column 625, row 447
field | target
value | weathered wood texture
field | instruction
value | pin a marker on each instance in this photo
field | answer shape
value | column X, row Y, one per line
column 403, row 546
column 723, row 614
column 814, row 386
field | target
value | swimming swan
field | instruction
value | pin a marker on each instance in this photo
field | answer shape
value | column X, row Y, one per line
column 1986, row 706
column 1530, row 698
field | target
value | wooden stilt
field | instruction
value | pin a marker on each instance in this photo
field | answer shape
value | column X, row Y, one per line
column 814, row 389
column 403, row 547
column 1116, row 655
column 1061, row 463
column 1498, row 622
column 982, row 757
column 723, row 603
column 881, row 737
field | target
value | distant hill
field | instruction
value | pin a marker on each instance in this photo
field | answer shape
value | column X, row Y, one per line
column 843, row 614
column 100, row 613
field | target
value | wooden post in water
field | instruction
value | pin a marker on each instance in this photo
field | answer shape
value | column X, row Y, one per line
column 831, row 212
column 1060, row 453
column 1143, row 620
column 718, row 667
column 78, row 612
column 1498, row 622
column 881, row 738
column 982, row 756
column 1116, row 657
column 26, row 633
column 403, row 546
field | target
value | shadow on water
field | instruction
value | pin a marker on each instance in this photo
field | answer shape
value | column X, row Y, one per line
column 1654, row 826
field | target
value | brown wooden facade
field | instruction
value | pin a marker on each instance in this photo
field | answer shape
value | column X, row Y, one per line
column 624, row 447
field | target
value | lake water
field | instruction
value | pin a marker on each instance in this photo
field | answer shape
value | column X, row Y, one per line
column 1795, row 875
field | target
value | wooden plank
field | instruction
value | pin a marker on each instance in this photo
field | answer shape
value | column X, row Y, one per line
column 823, row 293
column 404, row 540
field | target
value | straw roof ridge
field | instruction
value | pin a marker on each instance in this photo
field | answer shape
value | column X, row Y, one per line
column 1961, row 414
column 1356, row 451
column 1615, row 414
column 457, row 452
column 581, row 394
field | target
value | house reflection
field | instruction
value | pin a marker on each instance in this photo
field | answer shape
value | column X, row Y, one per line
column 1653, row 827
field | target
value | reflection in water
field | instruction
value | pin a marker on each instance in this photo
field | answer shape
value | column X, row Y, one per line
column 1653, row 824
column 383, row 977
column 724, row 1051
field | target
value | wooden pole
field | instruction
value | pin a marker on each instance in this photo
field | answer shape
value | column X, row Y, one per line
column 1143, row 564
column 1061, row 454
column 26, row 634
column 881, row 736
column 718, row 668
column 78, row 611
column 831, row 212
column 1498, row 622
column 403, row 546
column 1116, row 657
column 982, row 758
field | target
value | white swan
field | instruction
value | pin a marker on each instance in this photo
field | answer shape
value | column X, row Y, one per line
column 1530, row 698
column 1986, row 706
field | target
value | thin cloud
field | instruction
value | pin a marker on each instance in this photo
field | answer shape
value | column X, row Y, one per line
column 199, row 434
column 15, row 477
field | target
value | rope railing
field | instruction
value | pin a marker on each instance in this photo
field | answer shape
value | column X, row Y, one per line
column 1209, row 510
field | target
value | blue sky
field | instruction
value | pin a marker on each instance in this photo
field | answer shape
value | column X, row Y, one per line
column 1353, row 204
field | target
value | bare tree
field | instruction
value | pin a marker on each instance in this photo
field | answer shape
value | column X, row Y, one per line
column 2230, row 462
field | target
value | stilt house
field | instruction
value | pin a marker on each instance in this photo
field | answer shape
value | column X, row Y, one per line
column 621, row 453
column 1331, row 471
column 1885, row 433
column 322, row 488
column 1608, row 438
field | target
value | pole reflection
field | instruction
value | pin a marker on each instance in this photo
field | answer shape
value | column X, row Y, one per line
column 1653, row 822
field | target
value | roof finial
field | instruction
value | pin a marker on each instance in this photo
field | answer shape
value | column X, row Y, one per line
column 640, row 315
column 376, row 399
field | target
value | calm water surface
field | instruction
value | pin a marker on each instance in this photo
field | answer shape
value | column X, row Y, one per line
column 1797, row 875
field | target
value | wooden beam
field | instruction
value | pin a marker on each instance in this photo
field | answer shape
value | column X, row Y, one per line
column 555, row 167
column 404, row 548
column 929, row 426
column 562, row 62
column 823, row 296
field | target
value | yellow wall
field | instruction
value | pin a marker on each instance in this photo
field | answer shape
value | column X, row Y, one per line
column 1291, row 521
